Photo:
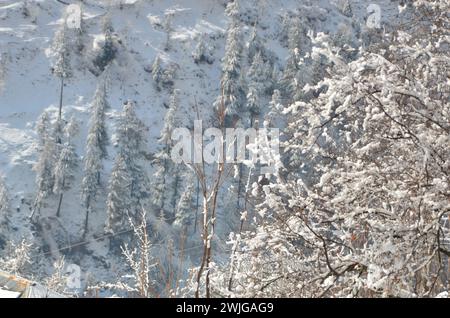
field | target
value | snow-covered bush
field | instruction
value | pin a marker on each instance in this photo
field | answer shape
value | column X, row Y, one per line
column 368, row 219
column 17, row 257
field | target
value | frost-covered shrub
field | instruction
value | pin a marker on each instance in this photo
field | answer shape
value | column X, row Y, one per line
column 363, row 210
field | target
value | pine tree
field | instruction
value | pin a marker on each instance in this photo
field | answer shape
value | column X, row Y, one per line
column 4, row 203
column 162, row 157
column 44, row 167
column 184, row 212
column 119, row 200
column 232, row 95
column 255, row 45
column 290, row 81
column 275, row 107
column 345, row 7
column 80, row 34
column 157, row 73
column 129, row 184
column 67, row 163
column 109, row 49
column 3, row 70
column 202, row 52
column 170, row 119
column 96, row 147
column 167, row 25
column 96, row 151
column 258, row 78
column 61, row 67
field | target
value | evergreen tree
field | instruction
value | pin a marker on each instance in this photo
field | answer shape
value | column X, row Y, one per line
column 157, row 72
column 129, row 184
column 44, row 167
column 119, row 200
column 275, row 107
column 4, row 203
column 184, row 212
column 232, row 95
column 3, row 70
column 170, row 119
column 202, row 52
column 96, row 147
column 80, row 35
column 162, row 157
column 109, row 50
column 66, row 164
column 345, row 7
column 167, row 25
column 61, row 67
column 258, row 78
column 255, row 45
column 291, row 81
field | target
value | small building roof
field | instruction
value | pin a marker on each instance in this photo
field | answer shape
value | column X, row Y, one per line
column 13, row 286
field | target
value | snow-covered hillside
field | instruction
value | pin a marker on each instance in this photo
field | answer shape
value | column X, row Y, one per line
column 141, row 32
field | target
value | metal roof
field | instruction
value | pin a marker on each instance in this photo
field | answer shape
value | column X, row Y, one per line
column 12, row 286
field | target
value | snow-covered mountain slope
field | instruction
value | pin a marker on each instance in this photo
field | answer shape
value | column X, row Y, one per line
column 27, row 30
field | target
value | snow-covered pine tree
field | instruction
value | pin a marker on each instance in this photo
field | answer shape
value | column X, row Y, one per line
column 4, row 203
column 255, row 45
column 184, row 213
column 345, row 7
column 109, row 50
column 232, row 95
column 170, row 120
column 275, row 108
column 96, row 146
column 58, row 130
column 290, row 83
column 257, row 82
column 162, row 157
column 129, row 184
column 3, row 70
column 157, row 72
column 64, row 170
column 45, row 180
column 119, row 200
column 167, row 25
column 202, row 51
column 80, row 35
column 61, row 66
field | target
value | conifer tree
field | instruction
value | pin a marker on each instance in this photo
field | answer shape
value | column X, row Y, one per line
column 157, row 73
column 119, row 199
column 44, row 167
column 232, row 94
column 162, row 157
column 109, row 49
column 255, row 45
column 129, row 183
column 202, row 52
column 185, row 207
column 66, row 164
column 61, row 67
column 291, row 80
column 96, row 146
column 4, row 202
column 258, row 79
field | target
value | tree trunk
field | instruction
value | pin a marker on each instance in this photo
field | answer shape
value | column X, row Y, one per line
column 239, row 187
column 196, row 207
column 86, row 220
column 58, row 211
column 61, row 98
